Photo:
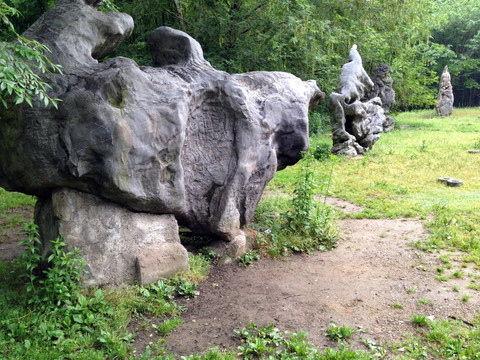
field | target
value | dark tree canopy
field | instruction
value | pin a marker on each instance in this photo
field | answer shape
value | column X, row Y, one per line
column 310, row 39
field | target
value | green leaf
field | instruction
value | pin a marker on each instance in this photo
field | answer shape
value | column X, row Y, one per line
column 78, row 318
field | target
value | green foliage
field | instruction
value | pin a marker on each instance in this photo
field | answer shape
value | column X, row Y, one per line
column 59, row 283
column 318, row 122
column 212, row 354
column 308, row 39
column 424, row 301
column 307, row 218
column 108, row 5
column 20, row 63
column 167, row 326
column 336, row 333
column 13, row 200
column 458, row 37
column 248, row 258
column 419, row 320
column 161, row 290
column 322, row 151
column 200, row 264
column 268, row 343
column 184, row 287
column 304, row 223
column 51, row 316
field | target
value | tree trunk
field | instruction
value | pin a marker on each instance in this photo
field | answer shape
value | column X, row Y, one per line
column 179, row 14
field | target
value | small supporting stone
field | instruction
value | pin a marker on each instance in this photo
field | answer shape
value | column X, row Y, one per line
column 115, row 242
column 160, row 261
column 229, row 251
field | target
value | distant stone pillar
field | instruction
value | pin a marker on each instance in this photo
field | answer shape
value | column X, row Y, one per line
column 445, row 95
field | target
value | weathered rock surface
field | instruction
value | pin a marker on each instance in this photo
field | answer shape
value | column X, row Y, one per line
column 357, row 120
column 445, row 94
column 383, row 88
column 180, row 138
column 118, row 245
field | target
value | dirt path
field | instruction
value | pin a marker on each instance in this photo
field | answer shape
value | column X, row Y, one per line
column 355, row 284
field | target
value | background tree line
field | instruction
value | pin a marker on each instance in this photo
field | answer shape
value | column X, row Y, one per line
column 312, row 38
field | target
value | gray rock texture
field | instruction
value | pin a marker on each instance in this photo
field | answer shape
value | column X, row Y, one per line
column 445, row 94
column 182, row 138
column 383, row 86
column 177, row 138
column 356, row 119
column 118, row 245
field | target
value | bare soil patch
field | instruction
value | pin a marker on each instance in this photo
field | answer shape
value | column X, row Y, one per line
column 355, row 284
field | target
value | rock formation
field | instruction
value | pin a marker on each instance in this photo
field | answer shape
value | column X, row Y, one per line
column 118, row 245
column 383, row 88
column 177, row 138
column 356, row 120
column 445, row 94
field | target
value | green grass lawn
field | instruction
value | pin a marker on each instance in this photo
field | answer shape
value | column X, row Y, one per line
column 398, row 177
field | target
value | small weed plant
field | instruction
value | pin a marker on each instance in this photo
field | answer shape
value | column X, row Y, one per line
column 322, row 152
column 424, row 301
column 249, row 258
column 419, row 320
column 184, row 287
column 58, row 284
column 336, row 333
column 308, row 223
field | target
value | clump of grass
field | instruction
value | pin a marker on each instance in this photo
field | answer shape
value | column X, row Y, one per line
column 445, row 258
column 419, row 319
column 457, row 274
column 14, row 200
column 200, row 265
column 335, row 332
column 424, row 301
column 396, row 305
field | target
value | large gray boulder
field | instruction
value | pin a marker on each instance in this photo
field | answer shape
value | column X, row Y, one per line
column 356, row 119
column 445, row 94
column 177, row 138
